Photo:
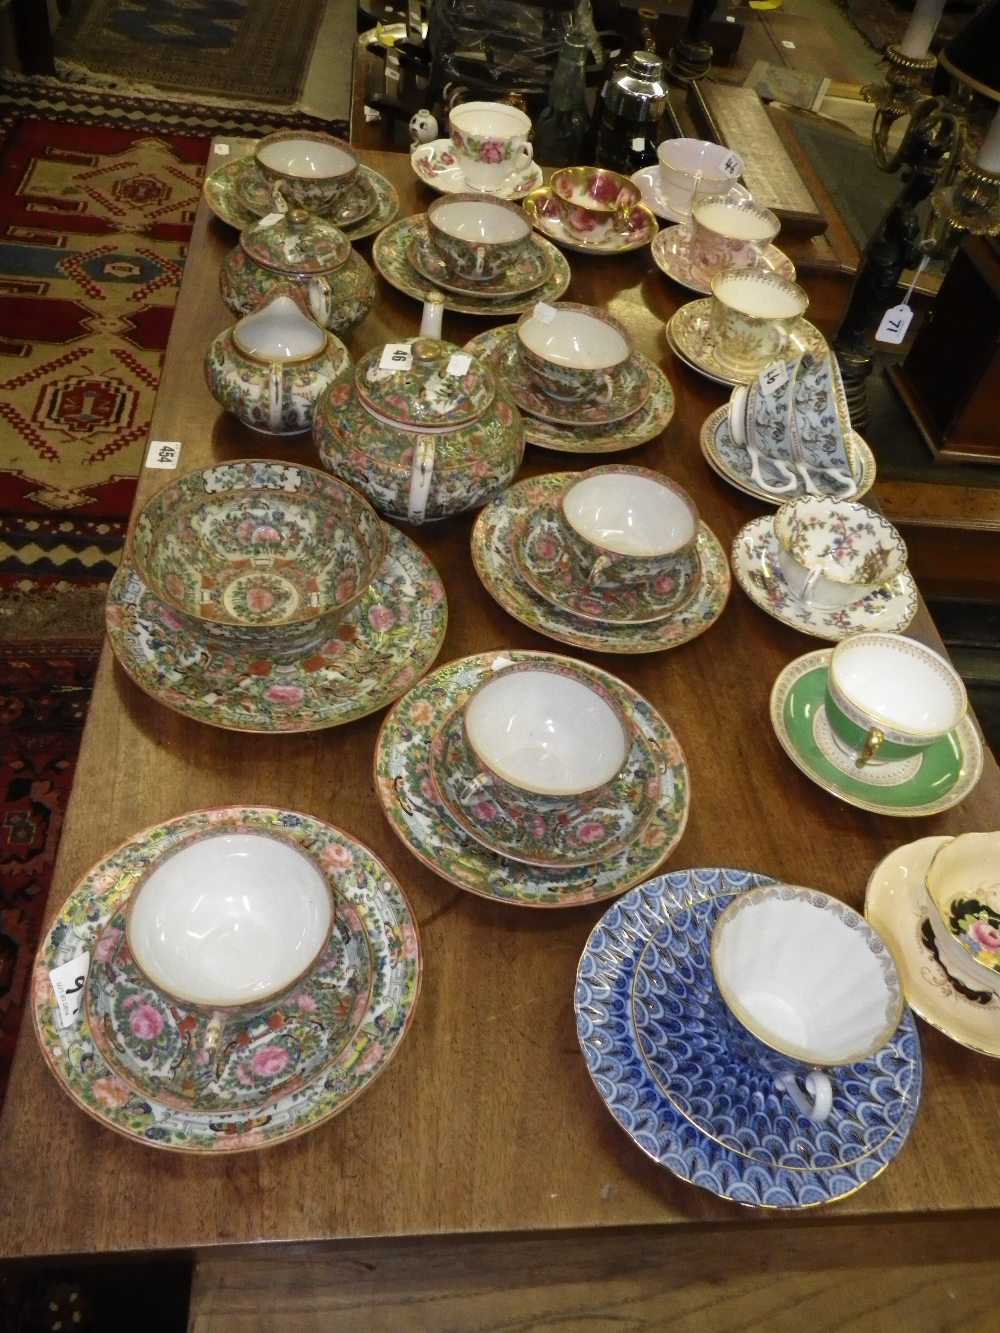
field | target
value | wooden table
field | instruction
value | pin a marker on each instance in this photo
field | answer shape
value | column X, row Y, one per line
column 482, row 1165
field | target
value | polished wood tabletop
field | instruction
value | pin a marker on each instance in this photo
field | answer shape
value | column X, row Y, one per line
column 486, row 1123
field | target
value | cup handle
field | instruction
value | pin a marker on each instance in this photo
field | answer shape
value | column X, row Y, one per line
column 320, row 301
column 607, row 389
column 870, row 748
column 782, row 468
column 818, row 1104
column 206, row 1061
column 421, row 474
column 275, row 392
column 622, row 217
column 480, row 253
column 602, row 563
column 522, row 157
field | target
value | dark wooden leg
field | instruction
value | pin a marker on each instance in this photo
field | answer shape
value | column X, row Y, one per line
column 33, row 36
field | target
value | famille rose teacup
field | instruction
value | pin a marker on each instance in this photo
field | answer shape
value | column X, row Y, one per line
column 631, row 527
column 475, row 237
column 808, row 986
column 490, row 141
column 833, row 552
column 963, row 894
column 753, row 315
column 310, row 170
column 689, row 164
column 889, row 697
column 729, row 233
column 593, row 202
column 572, row 351
column 202, row 989
column 546, row 736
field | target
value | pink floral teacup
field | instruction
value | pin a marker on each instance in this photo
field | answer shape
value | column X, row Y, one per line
column 594, row 203
column 491, row 143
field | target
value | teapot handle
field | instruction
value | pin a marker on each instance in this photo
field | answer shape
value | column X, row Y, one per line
column 275, row 393
column 421, row 474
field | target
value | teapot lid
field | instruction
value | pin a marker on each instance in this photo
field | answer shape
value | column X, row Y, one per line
column 424, row 383
column 296, row 241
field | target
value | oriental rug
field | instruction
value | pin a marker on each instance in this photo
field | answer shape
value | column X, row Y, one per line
column 224, row 47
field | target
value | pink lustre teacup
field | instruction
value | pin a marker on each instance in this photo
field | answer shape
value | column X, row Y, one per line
column 477, row 238
column 491, row 143
column 572, row 351
column 594, row 203
column 689, row 164
column 729, row 233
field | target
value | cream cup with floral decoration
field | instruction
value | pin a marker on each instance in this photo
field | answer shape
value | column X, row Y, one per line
column 834, row 552
column 572, row 351
column 490, row 140
column 728, row 232
column 310, row 170
column 753, row 316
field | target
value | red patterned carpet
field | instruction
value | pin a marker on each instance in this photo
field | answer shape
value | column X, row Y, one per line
column 94, row 221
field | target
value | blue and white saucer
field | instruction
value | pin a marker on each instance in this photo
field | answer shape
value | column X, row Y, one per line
column 647, row 1014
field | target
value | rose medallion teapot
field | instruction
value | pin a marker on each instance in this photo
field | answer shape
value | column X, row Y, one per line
column 298, row 247
column 270, row 367
column 421, row 428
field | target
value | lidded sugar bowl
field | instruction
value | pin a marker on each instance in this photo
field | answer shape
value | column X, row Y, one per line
column 298, row 247
column 422, row 428
column 270, row 367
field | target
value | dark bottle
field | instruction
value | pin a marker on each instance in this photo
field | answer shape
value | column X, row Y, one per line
column 635, row 101
column 562, row 129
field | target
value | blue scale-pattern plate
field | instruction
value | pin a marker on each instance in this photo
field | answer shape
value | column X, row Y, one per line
column 652, row 1028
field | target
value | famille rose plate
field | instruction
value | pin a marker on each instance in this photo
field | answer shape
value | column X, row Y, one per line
column 376, row 917
column 543, row 209
column 494, row 555
column 391, row 256
column 896, row 905
column 229, row 191
column 523, row 274
column 647, row 1017
column 733, row 464
column 671, row 251
column 420, row 818
column 436, row 164
column 497, row 348
column 389, row 639
column 755, row 563
column 690, row 335
column 939, row 778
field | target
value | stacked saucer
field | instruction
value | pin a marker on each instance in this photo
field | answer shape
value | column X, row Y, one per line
column 580, row 385
column 614, row 559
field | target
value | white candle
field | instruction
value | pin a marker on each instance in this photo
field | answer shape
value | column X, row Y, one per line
column 989, row 153
column 916, row 40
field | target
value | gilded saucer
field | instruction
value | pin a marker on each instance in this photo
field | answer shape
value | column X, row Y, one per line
column 391, row 256
column 732, row 462
column 939, row 779
column 494, row 561
column 526, row 272
column 689, row 333
column 389, row 639
column 543, row 209
column 755, row 563
column 436, row 164
column 223, row 196
column 648, row 181
column 546, row 562
column 671, row 251
column 646, row 424
column 895, row 904
column 376, row 904
column 600, row 828
column 422, row 823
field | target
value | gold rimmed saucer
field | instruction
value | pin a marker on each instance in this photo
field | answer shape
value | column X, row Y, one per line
column 671, row 251
column 542, row 207
column 689, row 333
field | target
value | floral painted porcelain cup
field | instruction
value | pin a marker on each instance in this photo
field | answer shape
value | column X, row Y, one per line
column 631, row 527
column 753, row 315
column 593, row 202
column 310, row 170
column 545, row 736
column 687, row 164
column 833, row 552
column 809, row 986
column 963, row 894
column 889, row 697
column 729, row 233
column 491, row 143
column 476, row 238
column 572, row 351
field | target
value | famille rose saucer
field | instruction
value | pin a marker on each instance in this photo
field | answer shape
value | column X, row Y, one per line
column 226, row 190
column 436, row 164
column 493, row 555
column 391, row 256
column 671, row 251
column 629, row 387
column 543, row 209
column 377, row 917
column 357, row 202
column 648, row 1018
column 732, row 462
column 388, row 640
column 690, row 335
column 896, row 906
column 648, row 181
column 420, row 819
column 939, row 778
column 756, row 565
column 496, row 346
column 523, row 274
column 599, row 829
